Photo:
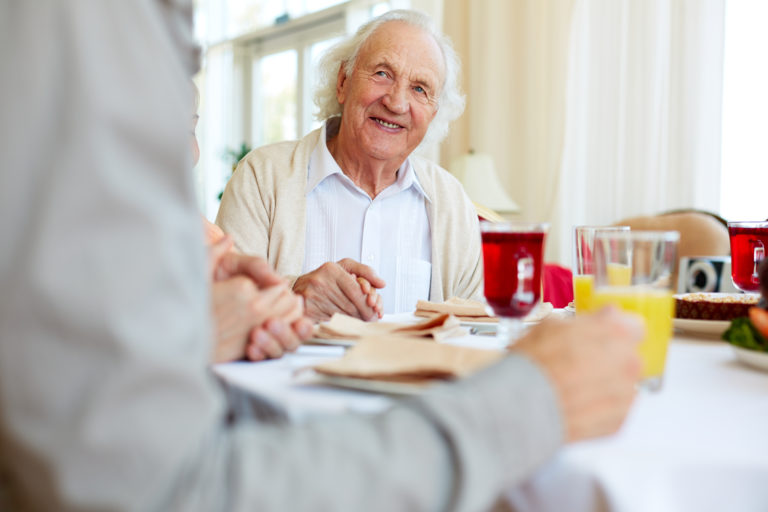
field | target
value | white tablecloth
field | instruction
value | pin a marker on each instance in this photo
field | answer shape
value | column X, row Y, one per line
column 700, row 444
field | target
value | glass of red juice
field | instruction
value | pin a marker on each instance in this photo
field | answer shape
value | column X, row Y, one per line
column 513, row 257
column 749, row 241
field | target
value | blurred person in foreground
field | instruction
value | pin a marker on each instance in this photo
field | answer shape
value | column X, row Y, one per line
column 353, row 190
column 105, row 335
column 255, row 314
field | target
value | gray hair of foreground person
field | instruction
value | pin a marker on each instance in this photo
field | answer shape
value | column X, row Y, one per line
column 451, row 100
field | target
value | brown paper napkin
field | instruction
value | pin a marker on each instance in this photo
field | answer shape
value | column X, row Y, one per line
column 438, row 327
column 467, row 310
column 412, row 360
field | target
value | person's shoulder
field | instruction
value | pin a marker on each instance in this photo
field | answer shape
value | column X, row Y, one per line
column 289, row 157
column 426, row 169
column 277, row 152
column 435, row 179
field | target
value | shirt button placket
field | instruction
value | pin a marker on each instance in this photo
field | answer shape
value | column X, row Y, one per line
column 370, row 249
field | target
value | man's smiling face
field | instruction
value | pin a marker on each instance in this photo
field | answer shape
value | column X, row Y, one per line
column 390, row 97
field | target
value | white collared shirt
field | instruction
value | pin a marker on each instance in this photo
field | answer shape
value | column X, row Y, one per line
column 389, row 233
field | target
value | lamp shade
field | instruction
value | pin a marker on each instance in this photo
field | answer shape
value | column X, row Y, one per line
column 477, row 173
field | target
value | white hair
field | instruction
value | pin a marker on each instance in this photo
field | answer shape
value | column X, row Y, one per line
column 450, row 103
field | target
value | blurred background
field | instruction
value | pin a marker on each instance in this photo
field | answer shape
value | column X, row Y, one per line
column 578, row 111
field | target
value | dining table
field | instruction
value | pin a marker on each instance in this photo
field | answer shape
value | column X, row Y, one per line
column 700, row 443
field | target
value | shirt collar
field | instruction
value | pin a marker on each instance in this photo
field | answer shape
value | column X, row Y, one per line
column 406, row 178
column 322, row 165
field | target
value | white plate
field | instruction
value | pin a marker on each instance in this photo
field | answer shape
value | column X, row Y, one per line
column 334, row 342
column 488, row 328
column 481, row 327
column 701, row 327
column 368, row 385
column 751, row 358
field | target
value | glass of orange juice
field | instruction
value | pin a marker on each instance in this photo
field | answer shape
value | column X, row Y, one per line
column 583, row 263
column 635, row 271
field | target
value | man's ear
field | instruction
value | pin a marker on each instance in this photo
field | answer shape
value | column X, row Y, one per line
column 341, row 80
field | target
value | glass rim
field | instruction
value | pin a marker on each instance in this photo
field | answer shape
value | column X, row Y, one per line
column 747, row 223
column 605, row 228
column 666, row 236
column 513, row 226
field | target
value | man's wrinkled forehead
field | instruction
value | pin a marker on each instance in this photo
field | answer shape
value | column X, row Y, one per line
column 382, row 45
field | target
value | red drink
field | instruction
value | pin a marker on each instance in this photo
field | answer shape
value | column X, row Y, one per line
column 512, row 262
column 749, row 241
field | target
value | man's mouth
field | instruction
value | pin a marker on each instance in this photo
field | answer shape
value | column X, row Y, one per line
column 386, row 124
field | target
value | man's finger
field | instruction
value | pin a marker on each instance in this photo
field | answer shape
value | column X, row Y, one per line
column 267, row 344
column 303, row 328
column 352, row 292
column 338, row 300
column 361, row 270
column 283, row 334
column 253, row 352
column 365, row 286
column 216, row 252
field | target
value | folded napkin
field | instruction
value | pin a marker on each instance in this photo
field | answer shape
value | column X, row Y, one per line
column 467, row 310
column 412, row 360
column 346, row 327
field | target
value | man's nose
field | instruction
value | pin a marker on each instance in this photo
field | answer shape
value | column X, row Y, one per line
column 396, row 99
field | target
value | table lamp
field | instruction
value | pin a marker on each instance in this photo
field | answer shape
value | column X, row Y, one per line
column 478, row 175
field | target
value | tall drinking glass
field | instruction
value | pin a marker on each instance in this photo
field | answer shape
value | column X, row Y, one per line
column 513, row 255
column 583, row 263
column 636, row 272
column 749, row 241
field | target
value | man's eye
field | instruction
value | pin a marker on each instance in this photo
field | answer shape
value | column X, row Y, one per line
column 381, row 74
column 419, row 89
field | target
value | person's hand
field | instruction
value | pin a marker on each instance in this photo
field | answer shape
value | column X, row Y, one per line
column 593, row 364
column 333, row 287
column 276, row 322
column 232, row 264
column 243, row 312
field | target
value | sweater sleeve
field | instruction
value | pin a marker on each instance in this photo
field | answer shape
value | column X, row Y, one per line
column 243, row 211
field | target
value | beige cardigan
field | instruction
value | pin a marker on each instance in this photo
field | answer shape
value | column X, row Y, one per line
column 264, row 210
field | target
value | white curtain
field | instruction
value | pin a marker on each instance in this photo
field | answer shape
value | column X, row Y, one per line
column 643, row 110
column 594, row 110
column 514, row 57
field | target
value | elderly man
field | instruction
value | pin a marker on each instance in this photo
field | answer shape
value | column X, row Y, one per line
column 353, row 191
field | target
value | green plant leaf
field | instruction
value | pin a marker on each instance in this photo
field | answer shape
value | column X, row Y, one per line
column 743, row 334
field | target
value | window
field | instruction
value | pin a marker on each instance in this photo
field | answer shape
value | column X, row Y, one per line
column 229, row 19
column 258, row 74
column 274, row 88
column 744, row 180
